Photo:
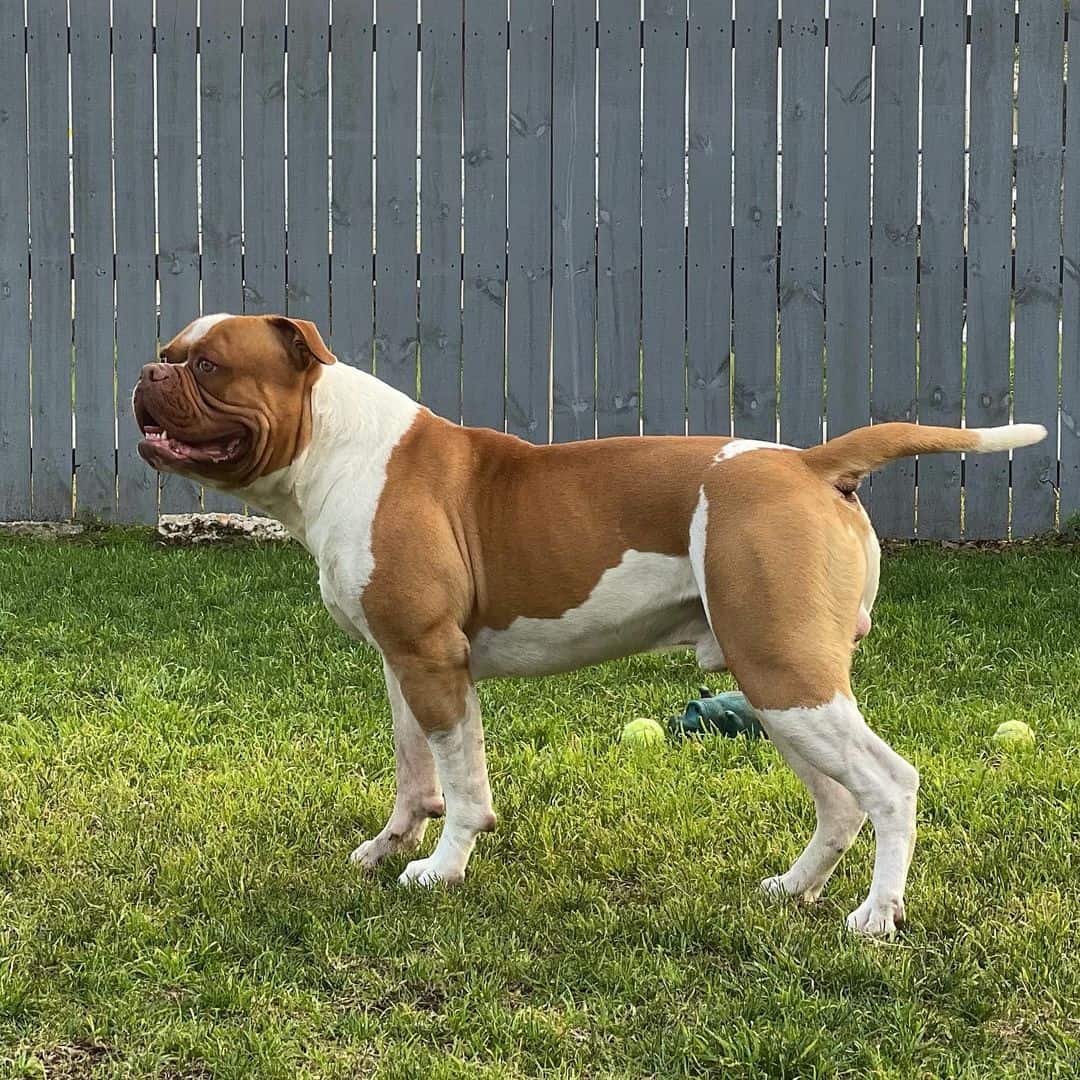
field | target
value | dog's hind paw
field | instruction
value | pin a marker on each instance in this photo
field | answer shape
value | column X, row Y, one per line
column 781, row 887
column 774, row 886
column 389, row 842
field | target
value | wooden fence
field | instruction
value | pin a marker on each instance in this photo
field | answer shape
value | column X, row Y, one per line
column 565, row 220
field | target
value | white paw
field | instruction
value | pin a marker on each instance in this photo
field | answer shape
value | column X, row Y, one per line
column 774, row 886
column 429, row 872
column 876, row 919
column 369, row 854
column 782, row 886
column 372, row 852
column 396, row 837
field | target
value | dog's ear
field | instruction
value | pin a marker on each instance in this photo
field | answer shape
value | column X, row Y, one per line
column 303, row 340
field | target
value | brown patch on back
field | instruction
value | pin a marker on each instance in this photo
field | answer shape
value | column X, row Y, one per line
column 550, row 520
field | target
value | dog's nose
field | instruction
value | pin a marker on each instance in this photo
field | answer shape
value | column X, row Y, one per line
column 155, row 372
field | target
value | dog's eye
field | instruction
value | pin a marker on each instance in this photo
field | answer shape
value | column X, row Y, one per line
column 207, row 367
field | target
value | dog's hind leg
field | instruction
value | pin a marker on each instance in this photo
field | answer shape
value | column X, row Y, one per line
column 417, row 797
column 834, row 739
column 783, row 592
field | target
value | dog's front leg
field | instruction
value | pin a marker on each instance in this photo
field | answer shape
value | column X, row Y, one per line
column 440, row 692
column 417, row 798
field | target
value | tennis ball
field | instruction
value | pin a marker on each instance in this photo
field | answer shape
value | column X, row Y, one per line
column 1014, row 735
column 642, row 731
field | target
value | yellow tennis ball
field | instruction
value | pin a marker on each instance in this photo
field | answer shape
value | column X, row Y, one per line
column 1014, row 735
column 642, row 731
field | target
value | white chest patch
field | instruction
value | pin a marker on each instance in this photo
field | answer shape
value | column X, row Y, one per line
column 647, row 602
column 329, row 497
column 743, row 446
column 360, row 421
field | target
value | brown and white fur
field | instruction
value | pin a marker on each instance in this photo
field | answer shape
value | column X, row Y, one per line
column 464, row 554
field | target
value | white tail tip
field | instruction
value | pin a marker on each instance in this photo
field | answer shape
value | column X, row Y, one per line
column 1008, row 437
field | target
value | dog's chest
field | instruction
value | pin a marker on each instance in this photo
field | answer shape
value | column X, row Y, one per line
column 346, row 610
column 346, row 562
column 345, row 568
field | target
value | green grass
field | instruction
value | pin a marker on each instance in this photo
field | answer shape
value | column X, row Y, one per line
column 189, row 750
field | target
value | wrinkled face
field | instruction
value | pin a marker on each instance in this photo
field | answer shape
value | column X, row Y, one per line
column 230, row 400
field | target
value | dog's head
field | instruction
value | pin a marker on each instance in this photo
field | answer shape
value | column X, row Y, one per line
column 229, row 399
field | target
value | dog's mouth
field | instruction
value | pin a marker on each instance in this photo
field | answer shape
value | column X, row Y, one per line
column 161, row 448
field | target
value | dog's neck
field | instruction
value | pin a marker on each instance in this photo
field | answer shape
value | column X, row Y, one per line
column 356, row 421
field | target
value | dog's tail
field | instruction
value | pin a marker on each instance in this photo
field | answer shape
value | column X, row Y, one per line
column 845, row 460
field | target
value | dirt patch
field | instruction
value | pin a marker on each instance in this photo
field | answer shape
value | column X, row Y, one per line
column 186, row 1072
column 72, row 1061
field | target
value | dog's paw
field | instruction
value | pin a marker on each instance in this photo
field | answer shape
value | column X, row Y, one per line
column 428, row 872
column 774, row 887
column 372, row 852
column 782, row 886
column 404, row 832
column 876, row 919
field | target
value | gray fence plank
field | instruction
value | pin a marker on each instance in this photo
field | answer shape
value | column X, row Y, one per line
column 663, row 238
column 395, row 198
column 14, row 273
column 264, row 149
column 573, row 229
column 802, row 231
column 178, row 223
column 755, row 219
column 50, row 263
column 708, row 236
column 352, row 289
column 618, row 228
column 989, row 277
column 307, row 175
column 219, row 44
column 484, row 291
column 95, row 413
column 893, row 247
column 136, row 301
column 1070, row 331
column 1038, row 245
column 440, row 208
column 847, row 240
column 528, row 222
column 941, row 251
column 222, row 191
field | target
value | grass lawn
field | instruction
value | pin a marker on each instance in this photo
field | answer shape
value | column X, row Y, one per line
column 189, row 750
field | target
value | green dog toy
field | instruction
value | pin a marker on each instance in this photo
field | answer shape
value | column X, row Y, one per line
column 727, row 714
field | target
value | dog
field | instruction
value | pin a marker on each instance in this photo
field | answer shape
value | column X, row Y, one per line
column 463, row 554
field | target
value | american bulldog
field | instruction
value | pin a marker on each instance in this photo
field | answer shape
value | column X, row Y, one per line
column 463, row 554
